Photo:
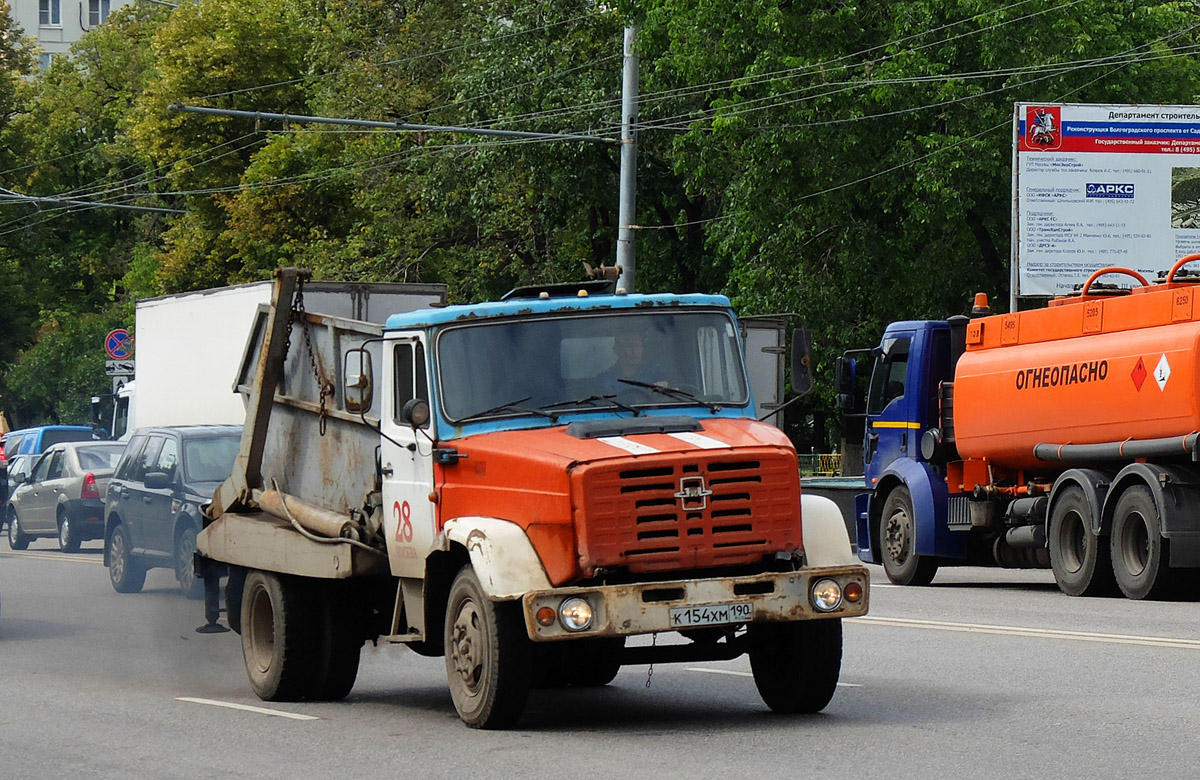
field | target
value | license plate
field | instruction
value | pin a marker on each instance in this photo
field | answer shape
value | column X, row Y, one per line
column 710, row 614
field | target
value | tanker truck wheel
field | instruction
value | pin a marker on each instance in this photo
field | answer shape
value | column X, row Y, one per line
column 898, row 542
column 1078, row 557
column 279, row 636
column 796, row 665
column 1139, row 551
column 487, row 655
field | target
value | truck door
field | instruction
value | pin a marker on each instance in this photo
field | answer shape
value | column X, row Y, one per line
column 892, row 425
column 406, row 458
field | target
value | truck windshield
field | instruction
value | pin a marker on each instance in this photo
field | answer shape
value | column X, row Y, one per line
column 625, row 361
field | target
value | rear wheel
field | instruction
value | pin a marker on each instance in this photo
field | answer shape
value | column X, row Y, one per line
column 796, row 665
column 185, row 564
column 16, row 537
column 898, row 542
column 279, row 636
column 487, row 655
column 67, row 540
column 126, row 573
column 1140, row 554
column 340, row 644
column 1078, row 556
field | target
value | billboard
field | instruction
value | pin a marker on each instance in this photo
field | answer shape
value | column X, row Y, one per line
column 1102, row 185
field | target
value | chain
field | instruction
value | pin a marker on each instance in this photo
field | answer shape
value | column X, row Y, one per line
column 324, row 389
column 650, row 671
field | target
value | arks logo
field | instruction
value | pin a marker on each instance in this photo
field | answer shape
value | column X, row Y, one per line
column 1101, row 190
column 1043, row 127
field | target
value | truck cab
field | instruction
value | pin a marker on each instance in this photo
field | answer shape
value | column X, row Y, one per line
column 900, row 520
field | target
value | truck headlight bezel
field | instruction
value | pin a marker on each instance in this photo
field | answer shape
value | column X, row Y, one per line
column 576, row 614
column 826, row 595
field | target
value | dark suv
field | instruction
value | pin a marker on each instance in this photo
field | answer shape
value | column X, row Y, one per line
column 152, row 508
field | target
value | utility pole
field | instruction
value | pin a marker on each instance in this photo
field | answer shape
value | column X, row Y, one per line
column 626, row 213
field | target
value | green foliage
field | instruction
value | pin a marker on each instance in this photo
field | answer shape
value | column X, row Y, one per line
column 849, row 162
column 55, row 379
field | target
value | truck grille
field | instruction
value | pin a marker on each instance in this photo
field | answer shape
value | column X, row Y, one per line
column 663, row 513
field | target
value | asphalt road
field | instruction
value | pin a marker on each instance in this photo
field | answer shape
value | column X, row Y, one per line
column 985, row 674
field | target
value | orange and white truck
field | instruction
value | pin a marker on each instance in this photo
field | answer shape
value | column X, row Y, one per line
column 1062, row 437
column 499, row 484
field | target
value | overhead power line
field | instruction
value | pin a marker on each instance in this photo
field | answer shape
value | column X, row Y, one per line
column 10, row 195
column 403, row 126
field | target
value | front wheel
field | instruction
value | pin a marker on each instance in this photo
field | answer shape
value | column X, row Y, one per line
column 898, row 542
column 67, row 540
column 17, row 539
column 185, row 564
column 487, row 655
column 796, row 665
column 1140, row 554
column 125, row 572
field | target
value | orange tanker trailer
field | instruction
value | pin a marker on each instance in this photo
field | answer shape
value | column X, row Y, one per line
column 1065, row 436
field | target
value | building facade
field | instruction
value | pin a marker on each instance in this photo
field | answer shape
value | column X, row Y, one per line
column 56, row 24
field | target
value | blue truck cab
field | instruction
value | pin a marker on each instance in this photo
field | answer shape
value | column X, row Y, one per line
column 901, row 519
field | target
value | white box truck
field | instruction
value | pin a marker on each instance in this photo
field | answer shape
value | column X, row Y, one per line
column 189, row 346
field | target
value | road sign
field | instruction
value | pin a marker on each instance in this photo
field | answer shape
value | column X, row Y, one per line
column 118, row 367
column 119, row 344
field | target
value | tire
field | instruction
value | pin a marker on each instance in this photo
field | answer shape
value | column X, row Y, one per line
column 234, row 587
column 279, row 636
column 1138, row 550
column 594, row 663
column 340, row 644
column 185, row 565
column 796, row 665
column 125, row 572
column 898, row 542
column 17, row 539
column 487, row 655
column 67, row 540
column 1078, row 557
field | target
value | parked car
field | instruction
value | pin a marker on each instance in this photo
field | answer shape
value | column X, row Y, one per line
column 19, row 464
column 62, row 495
column 152, row 508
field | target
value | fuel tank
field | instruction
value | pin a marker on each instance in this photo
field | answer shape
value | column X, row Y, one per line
column 1092, row 369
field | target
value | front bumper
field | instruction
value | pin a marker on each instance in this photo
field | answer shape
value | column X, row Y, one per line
column 645, row 607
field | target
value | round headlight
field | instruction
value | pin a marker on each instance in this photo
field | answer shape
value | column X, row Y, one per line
column 826, row 595
column 575, row 614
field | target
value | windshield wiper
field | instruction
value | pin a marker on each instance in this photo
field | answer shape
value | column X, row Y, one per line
column 592, row 399
column 674, row 392
column 514, row 406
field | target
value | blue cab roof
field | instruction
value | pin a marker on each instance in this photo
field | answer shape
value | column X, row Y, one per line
column 424, row 318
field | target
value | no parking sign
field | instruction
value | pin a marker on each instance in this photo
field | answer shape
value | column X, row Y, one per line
column 119, row 344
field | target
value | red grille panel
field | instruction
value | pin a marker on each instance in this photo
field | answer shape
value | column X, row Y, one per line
column 679, row 512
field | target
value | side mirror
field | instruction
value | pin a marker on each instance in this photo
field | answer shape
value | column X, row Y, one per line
column 19, row 477
column 95, row 411
column 415, row 412
column 802, row 378
column 844, row 369
column 357, row 381
column 156, row 480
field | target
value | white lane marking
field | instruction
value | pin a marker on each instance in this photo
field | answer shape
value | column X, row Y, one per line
column 1044, row 633
column 749, row 674
column 699, row 440
column 49, row 556
column 632, row 447
column 248, row 708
